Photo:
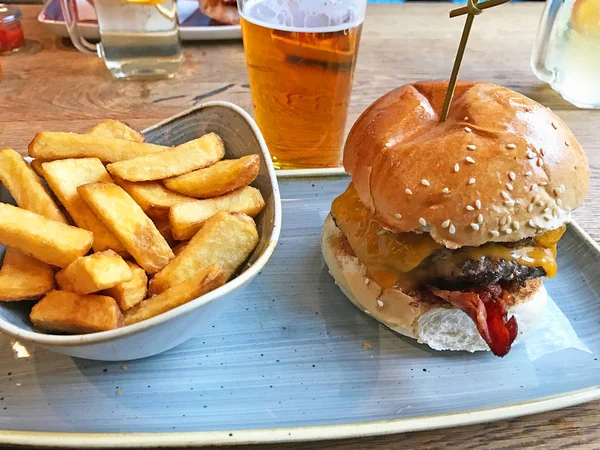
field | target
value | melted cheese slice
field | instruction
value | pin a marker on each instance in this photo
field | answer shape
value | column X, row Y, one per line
column 394, row 259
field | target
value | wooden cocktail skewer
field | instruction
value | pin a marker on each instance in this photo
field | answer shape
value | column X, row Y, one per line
column 472, row 9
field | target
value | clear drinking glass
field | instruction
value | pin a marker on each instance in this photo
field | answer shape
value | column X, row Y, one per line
column 566, row 54
column 139, row 38
column 301, row 56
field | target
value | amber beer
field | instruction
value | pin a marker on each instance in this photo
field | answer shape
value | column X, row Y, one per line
column 301, row 82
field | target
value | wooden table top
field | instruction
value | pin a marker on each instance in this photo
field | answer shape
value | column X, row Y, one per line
column 51, row 86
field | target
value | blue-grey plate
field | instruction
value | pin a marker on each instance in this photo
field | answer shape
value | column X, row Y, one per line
column 288, row 363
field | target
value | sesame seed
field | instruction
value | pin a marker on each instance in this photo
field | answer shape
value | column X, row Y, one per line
column 509, row 219
column 505, row 195
column 509, row 186
column 540, row 204
column 555, row 212
column 475, row 226
column 446, row 223
column 495, row 233
column 470, row 208
column 531, row 155
column 546, row 210
column 367, row 312
column 367, row 281
column 446, row 191
column 478, row 203
column 503, row 221
column 380, row 303
column 467, row 129
column 470, row 160
column 422, row 221
column 562, row 188
column 472, row 181
column 509, row 202
column 530, row 208
column 559, row 202
column 408, row 191
column 540, row 162
column 543, row 183
column 480, row 218
column 548, row 218
column 567, row 143
column 511, row 146
column 466, row 118
column 531, row 223
column 452, row 229
column 398, row 216
column 472, row 147
column 508, row 231
column 534, row 187
column 512, row 176
column 516, row 225
column 536, row 199
column 554, row 125
column 542, row 152
column 456, row 167
column 424, row 182
column 528, row 174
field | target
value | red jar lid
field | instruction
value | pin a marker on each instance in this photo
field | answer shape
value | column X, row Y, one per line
column 11, row 32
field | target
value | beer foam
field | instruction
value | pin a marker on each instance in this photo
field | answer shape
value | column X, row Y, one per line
column 303, row 15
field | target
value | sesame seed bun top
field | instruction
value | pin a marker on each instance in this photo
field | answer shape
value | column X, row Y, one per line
column 501, row 168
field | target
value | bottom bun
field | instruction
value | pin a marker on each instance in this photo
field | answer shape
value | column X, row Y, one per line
column 440, row 326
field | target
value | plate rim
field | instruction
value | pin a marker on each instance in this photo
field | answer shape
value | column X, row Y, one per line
column 298, row 434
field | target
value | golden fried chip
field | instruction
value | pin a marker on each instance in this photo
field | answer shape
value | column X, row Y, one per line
column 124, row 217
column 26, row 187
column 187, row 218
column 64, row 176
column 152, row 196
column 115, row 129
column 36, row 165
column 130, row 293
column 93, row 273
column 164, row 228
column 51, row 145
column 179, row 247
column 226, row 239
column 67, row 312
column 206, row 280
column 218, row 179
column 23, row 277
column 192, row 155
column 43, row 239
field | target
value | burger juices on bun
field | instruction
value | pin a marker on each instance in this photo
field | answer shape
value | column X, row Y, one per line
column 447, row 229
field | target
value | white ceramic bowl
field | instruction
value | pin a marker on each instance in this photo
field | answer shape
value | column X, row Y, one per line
column 242, row 137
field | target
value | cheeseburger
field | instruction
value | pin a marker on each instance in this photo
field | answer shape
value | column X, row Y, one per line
column 446, row 230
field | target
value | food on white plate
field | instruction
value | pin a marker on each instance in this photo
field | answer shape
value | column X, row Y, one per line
column 447, row 229
column 120, row 221
column 224, row 11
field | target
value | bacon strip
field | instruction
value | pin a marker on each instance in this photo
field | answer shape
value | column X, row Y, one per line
column 486, row 306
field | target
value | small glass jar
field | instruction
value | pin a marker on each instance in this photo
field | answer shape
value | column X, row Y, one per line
column 11, row 31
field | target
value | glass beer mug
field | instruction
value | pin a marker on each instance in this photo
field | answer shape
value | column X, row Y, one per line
column 566, row 54
column 139, row 38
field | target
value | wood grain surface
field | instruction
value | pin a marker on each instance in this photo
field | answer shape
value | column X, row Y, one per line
column 51, row 86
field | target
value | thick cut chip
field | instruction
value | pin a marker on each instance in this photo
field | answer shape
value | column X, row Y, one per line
column 43, row 239
column 187, row 218
column 192, row 155
column 116, row 129
column 64, row 177
column 36, row 165
column 26, row 187
column 51, row 145
column 152, row 196
column 218, row 179
column 67, row 312
column 124, row 217
column 130, row 293
column 206, row 280
column 179, row 247
column 164, row 228
column 94, row 273
column 23, row 277
column 226, row 239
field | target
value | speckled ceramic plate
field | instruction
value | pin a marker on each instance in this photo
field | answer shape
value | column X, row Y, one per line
column 289, row 363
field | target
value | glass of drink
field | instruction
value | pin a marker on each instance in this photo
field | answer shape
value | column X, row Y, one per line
column 139, row 38
column 567, row 51
column 301, row 56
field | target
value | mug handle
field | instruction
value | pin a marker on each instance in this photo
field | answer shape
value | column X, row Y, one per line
column 540, row 48
column 70, row 16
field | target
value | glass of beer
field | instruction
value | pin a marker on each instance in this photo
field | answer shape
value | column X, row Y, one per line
column 301, row 56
